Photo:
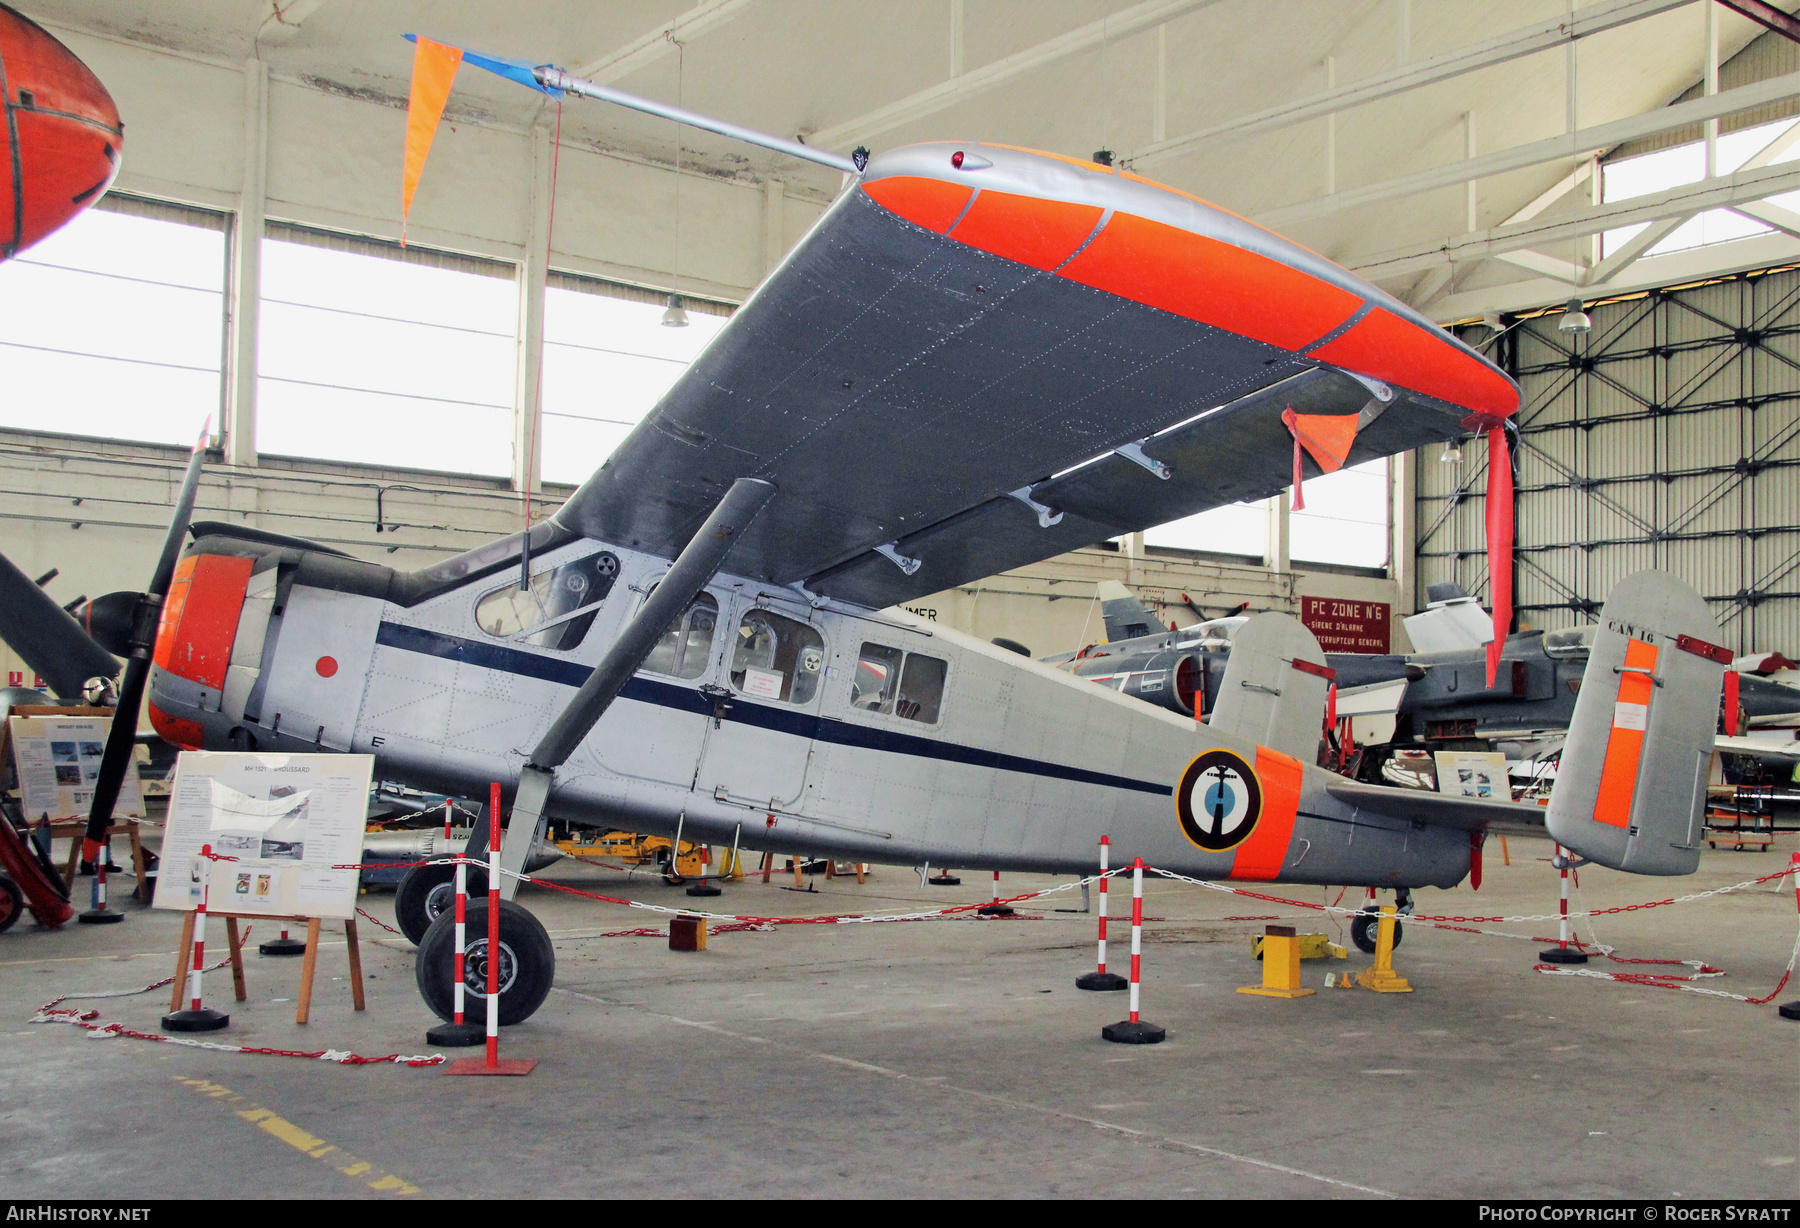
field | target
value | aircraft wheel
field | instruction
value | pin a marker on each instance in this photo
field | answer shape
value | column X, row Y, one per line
column 12, row 901
column 428, row 891
column 1365, row 928
column 527, row 965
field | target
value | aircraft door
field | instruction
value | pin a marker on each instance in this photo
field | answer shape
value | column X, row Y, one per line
column 758, row 749
column 662, row 735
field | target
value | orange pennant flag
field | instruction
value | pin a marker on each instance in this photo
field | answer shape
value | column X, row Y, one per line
column 1327, row 438
column 434, row 68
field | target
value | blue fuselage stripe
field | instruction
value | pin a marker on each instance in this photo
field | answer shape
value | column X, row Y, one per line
column 762, row 716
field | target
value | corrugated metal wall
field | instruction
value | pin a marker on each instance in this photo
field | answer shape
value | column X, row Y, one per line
column 1668, row 436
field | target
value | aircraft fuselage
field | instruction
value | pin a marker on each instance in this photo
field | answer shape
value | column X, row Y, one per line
column 791, row 724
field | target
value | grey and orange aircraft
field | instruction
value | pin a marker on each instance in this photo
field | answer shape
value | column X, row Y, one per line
column 980, row 356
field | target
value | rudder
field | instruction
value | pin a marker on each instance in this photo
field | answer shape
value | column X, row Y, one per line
column 1273, row 692
column 1631, row 791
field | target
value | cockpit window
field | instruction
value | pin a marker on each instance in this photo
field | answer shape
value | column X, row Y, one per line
column 683, row 648
column 777, row 658
column 913, row 690
column 558, row 608
column 877, row 677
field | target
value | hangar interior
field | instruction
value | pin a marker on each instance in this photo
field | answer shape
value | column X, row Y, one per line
column 405, row 391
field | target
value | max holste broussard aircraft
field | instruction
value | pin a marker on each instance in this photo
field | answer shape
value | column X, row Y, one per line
column 979, row 357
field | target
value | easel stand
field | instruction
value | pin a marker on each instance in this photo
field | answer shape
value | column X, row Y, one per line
column 308, row 967
column 74, row 830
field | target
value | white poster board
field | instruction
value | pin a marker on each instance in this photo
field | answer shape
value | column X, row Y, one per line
column 1468, row 773
column 288, row 819
column 57, row 758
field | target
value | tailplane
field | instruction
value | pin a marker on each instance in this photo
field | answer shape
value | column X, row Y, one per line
column 1631, row 790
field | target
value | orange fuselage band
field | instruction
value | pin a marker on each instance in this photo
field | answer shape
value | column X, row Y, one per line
column 1625, row 745
column 1261, row 856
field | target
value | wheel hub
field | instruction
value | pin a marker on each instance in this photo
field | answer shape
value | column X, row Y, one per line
column 475, row 967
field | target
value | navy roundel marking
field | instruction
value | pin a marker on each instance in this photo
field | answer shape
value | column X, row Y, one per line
column 1218, row 800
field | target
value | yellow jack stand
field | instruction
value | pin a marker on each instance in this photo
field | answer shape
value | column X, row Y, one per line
column 1281, row 965
column 1382, row 978
column 1312, row 946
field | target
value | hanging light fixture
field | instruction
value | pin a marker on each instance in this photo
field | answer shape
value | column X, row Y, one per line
column 1574, row 320
column 1452, row 454
column 676, row 315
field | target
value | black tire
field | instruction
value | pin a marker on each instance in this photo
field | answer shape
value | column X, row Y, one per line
column 527, row 969
column 426, row 891
column 1365, row 928
column 12, row 902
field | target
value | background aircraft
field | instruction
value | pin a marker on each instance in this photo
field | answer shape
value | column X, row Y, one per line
column 1437, row 700
column 61, row 142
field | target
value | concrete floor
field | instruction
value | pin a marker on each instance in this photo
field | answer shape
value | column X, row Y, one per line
column 950, row 1059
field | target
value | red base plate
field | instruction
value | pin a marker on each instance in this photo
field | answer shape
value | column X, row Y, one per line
column 479, row 1066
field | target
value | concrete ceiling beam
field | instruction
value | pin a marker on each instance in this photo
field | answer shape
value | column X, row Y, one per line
column 1537, row 153
column 1588, row 21
column 648, row 48
column 1119, row 26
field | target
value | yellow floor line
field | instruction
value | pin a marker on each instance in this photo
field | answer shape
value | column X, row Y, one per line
column 279, row 1127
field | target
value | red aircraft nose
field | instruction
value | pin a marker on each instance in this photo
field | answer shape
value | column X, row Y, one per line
column 60, row 144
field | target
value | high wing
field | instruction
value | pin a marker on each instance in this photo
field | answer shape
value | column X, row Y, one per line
column 940, row 378
column 1441, row 809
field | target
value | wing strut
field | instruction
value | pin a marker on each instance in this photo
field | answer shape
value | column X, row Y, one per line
column 699, row 561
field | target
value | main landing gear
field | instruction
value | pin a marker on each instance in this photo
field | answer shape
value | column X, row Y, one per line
column 1364, row 926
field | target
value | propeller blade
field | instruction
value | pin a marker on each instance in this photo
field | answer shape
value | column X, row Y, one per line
column 121, row 741
column 51, row 642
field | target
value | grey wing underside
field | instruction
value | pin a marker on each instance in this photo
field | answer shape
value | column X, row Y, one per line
column 1442, row 810
column 895, row 385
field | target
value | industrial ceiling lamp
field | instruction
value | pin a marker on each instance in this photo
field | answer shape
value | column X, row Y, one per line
column 1452, row 454
column 676, row 315
column 1574, row 320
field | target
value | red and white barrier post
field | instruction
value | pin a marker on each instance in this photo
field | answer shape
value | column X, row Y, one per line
column 459, row 1033
column 1100, row 978
column 1134, row 1031
column 99, row 852
column 1563, row 952
column 198, row 1018
column 1791, row 1010
column 994, row 908
column 493, row 1064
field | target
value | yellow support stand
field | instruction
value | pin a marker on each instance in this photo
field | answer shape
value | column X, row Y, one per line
column 1312, row 946
column 1382, row 978
column 1280, row 965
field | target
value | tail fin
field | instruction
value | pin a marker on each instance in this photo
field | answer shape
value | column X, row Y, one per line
column 1126, row 617
column 1273, row 692
column 1631, row 791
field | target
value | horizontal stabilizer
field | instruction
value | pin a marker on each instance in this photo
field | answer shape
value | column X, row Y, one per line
column 1441, row 809
column 1273, row 693
column 1631, row 790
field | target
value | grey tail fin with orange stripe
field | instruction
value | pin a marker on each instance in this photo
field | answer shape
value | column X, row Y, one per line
column 1273, row 692
column 1631, row 789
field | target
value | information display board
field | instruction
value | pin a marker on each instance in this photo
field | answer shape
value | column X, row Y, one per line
column 1348, row 626
column 1468, row 773
column 287, row 819
column 57, row 759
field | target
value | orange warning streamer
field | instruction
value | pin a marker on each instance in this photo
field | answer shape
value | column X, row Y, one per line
column 1327, row 438
column 434, row 69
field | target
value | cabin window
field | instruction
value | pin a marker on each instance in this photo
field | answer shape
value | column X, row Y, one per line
column 683, row 649
column 777, row 658
column 558, row 608
column 913, row 690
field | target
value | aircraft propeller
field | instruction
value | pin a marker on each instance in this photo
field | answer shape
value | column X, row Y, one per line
column 142, row 641
column 46, row 637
